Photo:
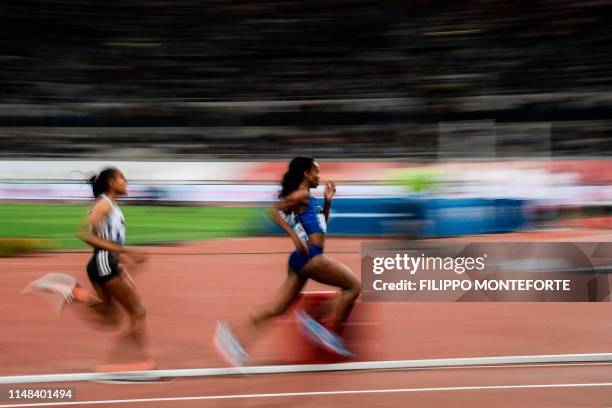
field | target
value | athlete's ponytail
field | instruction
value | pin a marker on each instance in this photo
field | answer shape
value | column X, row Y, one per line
column 100, row 183
column 295, row 175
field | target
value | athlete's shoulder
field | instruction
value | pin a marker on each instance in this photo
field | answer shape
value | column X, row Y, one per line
column 102, row 205
column 299, row 195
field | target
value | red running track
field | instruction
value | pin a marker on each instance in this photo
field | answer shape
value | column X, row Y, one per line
column 187, row 288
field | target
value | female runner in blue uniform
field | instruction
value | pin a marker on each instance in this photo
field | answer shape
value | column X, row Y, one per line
column 306, row 262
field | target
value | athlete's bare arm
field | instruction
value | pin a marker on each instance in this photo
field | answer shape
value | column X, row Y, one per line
column 90, row 235
column 298, row 198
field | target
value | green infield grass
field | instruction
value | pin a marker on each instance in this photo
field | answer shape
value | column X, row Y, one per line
column 57, row 223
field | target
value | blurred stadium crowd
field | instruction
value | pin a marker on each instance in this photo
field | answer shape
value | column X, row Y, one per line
column 346, row 78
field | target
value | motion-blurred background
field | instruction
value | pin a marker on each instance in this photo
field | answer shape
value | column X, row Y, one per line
column 435, row 118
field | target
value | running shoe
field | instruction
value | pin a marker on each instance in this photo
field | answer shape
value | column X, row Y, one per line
column 54, row 287
column 228, row 346
column 318, row 334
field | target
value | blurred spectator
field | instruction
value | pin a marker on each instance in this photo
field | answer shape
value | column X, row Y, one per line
column 221, row 78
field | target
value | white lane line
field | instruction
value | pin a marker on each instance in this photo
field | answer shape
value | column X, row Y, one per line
column 313, row 393
column 515, row 366
column 311, row 368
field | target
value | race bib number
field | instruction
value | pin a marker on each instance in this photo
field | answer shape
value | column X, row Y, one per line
column 322, row 222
